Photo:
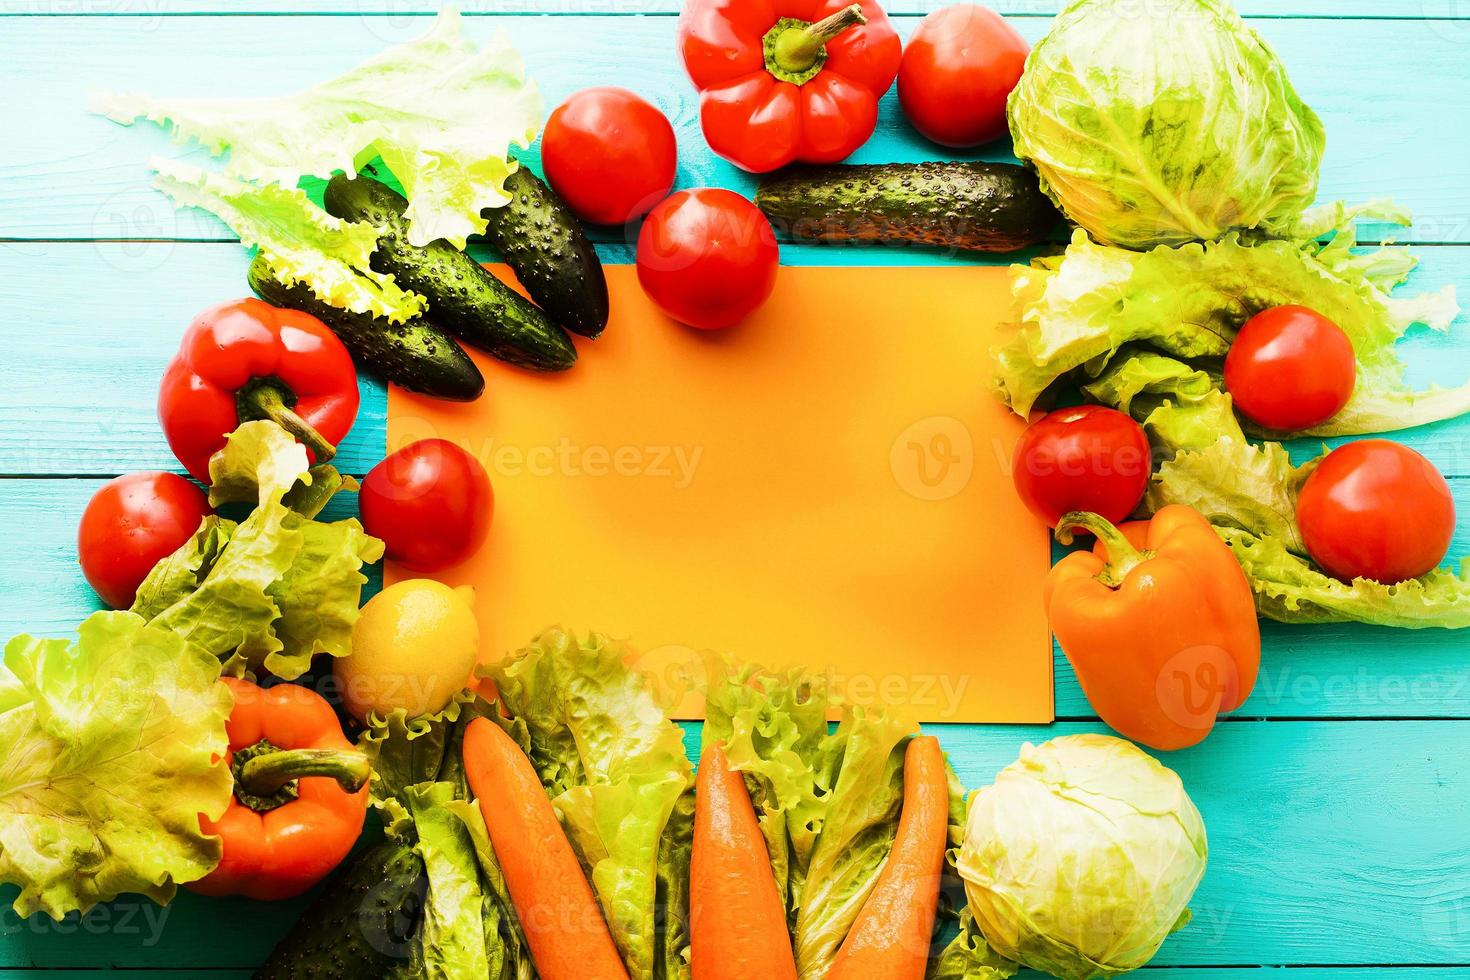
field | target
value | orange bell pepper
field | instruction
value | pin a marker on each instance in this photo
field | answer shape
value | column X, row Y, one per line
column 1159, row 623
column 300, row 794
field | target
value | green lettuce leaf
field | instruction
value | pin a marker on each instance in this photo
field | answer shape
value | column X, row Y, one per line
column 109, row 749
column 301, row 242
column 231, row 612
column 441, row 111
column 1076, row 311
column 617, row 773
column 318, row 595
column 420, row 792
column 276, row 589
column 505, row 942
column 451, row 944
column 1290, row 589
column 828, row 804
column 969, row 957
column 863, row 764
column 259, row 457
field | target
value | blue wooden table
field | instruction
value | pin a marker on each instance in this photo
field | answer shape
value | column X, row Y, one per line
column 1338, row 799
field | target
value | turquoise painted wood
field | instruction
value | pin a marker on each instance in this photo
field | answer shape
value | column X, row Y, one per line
column 76, row 176
column 1336, row 800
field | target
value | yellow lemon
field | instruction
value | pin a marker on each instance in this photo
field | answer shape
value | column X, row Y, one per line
column 413, row 647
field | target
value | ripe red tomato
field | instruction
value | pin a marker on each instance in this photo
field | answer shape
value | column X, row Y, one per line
column 1088, row 458
column 1374, row 509
column 130, row 525
column 1290, row 368
column 707, row 257
column 956, row 73
column 609, row 154
column 431, row 503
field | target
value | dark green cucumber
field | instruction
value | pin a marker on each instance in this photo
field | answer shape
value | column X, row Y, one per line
column 416, row 355
column 363, row 925
column 543, row 242
column 463, row 296
column 982, row 207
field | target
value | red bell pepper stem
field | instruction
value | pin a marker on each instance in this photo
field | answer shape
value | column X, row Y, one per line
column 260, row 780
column 1123, row 557
column 797, row 48
column 265, row 401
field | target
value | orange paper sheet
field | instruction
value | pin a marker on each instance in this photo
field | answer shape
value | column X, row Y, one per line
column 826, row 485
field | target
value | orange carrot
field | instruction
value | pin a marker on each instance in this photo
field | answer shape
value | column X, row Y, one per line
column 737, row 926
column 560, row 916
column 891, row 936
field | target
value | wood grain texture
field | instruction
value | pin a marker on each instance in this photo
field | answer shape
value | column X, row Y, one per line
column 1333, row 842
column 79, row 176
column 1307, row 672
column 91, row 327
column 1330, row 844
column 1290, row 9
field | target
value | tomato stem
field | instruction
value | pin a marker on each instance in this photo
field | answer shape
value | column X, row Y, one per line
column 796, row 50
column 1122, row 556
column 264, row 399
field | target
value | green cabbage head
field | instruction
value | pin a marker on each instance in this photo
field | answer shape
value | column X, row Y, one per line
column 1081, row 858
column 1165, row 122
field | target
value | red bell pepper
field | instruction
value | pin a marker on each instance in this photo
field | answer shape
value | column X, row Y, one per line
column 787, row 80
column 246, row 360
column 300, row 794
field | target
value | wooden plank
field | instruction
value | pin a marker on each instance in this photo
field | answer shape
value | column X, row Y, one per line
column 152, row 9
column 1308, row 671
column 93, row 326
column 1330, row 844
column 78, row 176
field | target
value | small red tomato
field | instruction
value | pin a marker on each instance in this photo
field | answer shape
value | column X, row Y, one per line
column 1375, row 509
column 609, row 154
column 957, row 71
column 1088, row 458
column 707, row 257
column 132, row 524
column 1290, row 368
column 431, row 503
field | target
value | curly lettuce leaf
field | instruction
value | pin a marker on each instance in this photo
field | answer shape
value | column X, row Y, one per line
column 828, row 804
column 969, row 957
column 231, row 612
column 298, row 240
column 615, row 768
column 441, row 111
column 319, row 594
column 259, row 457
column 773, row 728
column 1076, row 311
column 108, row 749
column 505, row 942
column 451, row 942
column 278, row 588
column 423, row 749
column 863, row 764
column 1290, row 589
column 1206, row 461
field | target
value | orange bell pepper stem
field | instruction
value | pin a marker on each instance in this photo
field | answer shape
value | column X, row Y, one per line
column 1162, row 633
column 300, row 794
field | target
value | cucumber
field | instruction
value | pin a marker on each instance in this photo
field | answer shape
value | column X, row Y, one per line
column 543, row 242
column 982, row 207
column 463, row 296
column 416, row 355
column 363, row 925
